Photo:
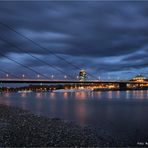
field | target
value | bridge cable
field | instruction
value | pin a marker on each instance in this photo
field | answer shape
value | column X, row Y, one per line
column 5, row 72
column 38, row 59
column 46, row 49
column 23, row 65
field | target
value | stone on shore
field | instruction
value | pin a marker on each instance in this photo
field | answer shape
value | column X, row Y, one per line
column 20, row 128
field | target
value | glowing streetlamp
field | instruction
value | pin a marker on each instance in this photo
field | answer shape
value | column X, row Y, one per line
column 52, row 76
column 38, row 76
column 7, row 75
column 23, row 76
column 65, row 77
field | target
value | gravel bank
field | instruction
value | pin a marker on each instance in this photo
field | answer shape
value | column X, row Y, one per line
column 19, row 128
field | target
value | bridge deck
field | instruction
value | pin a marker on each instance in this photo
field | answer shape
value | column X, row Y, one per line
column 65, row 81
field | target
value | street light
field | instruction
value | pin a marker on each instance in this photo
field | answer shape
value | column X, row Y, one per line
column 23, row 76
column 77, row 77
column 52, row 76
column 38, row 76
column 65, row 77
column 7, row 75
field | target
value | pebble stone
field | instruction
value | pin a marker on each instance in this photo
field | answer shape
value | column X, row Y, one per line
column 20, row 128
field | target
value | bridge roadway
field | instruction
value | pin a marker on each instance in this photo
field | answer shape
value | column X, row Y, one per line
column 67, row 81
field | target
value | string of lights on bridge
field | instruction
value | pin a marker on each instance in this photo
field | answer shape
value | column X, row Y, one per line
column 7, row 75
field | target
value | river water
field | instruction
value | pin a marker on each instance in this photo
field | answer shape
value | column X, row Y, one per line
column 123, row 113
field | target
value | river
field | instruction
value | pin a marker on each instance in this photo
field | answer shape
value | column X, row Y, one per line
column 123, row 113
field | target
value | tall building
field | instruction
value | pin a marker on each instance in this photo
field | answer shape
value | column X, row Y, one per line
column 82, row 75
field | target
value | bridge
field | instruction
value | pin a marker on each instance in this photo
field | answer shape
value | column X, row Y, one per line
column 43, row 78
column 67, row 81
column 122, row 84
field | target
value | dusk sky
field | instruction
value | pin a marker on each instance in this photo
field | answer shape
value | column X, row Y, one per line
column 105, row 38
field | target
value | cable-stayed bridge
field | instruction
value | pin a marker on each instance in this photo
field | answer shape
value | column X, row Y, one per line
column 122, row 85
column 45, row 78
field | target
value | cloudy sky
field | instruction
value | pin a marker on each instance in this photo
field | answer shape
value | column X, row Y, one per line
column 108, row 39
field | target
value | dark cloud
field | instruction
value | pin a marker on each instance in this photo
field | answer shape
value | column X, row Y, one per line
column 102, row 37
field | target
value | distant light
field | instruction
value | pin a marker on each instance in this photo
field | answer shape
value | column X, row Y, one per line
column 52, row 76
column 7, row 75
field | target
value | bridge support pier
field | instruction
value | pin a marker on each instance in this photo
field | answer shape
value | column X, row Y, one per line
column 122, row 86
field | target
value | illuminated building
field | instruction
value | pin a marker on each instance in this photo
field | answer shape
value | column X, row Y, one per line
column 139, row 78
column 82, row 75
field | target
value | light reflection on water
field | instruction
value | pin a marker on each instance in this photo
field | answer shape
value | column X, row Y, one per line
column 110, row 109
column 39, row 98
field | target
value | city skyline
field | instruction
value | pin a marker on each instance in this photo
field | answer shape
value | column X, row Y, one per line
column 104, row 38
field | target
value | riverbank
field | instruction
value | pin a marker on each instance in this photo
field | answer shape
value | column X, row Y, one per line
column 20, row 128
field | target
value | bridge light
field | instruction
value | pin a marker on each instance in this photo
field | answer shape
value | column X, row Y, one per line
column 23, row 76
column 7, row 75
column 65, row 77
column 52, row 76
column 38, row 76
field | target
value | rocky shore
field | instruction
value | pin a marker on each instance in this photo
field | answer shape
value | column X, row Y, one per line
column 19, row 128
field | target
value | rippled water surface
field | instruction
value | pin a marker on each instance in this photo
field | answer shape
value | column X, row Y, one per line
column 121, row 112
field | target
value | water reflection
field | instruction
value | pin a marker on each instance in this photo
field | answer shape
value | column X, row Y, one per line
column 98, row 94
column 39, row 95
column 65, row 95
column 79, row 106
column 81, row 112
column 110, row 94
column 127, row 94
column 23, row 95
column 7, row 94
column 52, row 95
column 80, row 95
column 139, row 94
column 118, row 94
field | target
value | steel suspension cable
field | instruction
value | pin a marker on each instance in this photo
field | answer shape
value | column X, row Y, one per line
column 6, row 72
column 22, row 65
column 46, row 49
column 38, row 59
